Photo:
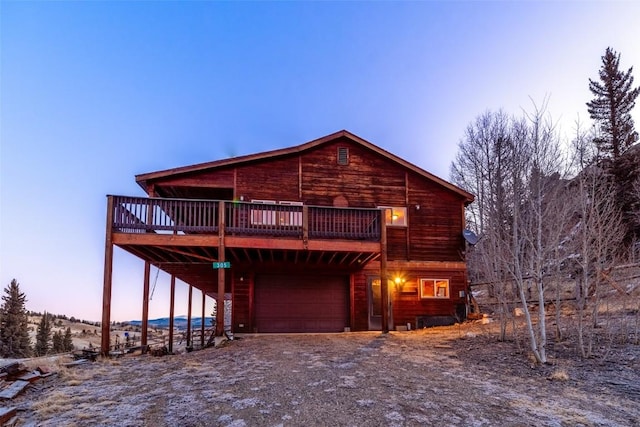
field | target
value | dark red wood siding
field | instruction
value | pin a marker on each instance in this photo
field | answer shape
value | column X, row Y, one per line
column 436, row 226
column 221, row 178
column 360, row 304
column 242, row 320
column 408, row 306
column 406, row 301
column 368, row 180
column 276, row 179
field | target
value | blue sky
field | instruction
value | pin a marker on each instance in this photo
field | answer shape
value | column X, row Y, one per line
column 93, row 93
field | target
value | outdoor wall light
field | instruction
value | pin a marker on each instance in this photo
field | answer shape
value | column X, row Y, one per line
column 399, row 281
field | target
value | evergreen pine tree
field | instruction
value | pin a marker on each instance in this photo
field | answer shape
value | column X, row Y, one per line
column 43, row 335
column 67, row 342
column 14, row 327
column 611, row 109
column 57, row 346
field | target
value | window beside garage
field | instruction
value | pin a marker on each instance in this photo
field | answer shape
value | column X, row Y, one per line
column 434, row 288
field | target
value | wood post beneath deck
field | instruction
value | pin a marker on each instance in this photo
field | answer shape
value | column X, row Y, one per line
column 106, row 287
column 189, row 343
column 172, row 311
column 145, row 306
column 221, row 274
column 204, row 296
column 384, row 283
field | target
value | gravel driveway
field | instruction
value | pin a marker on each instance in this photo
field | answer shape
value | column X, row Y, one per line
column 452, row 376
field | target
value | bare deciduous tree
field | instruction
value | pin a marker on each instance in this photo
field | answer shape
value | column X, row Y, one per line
column 482, row 166
column 515, row 166
column 597, row 237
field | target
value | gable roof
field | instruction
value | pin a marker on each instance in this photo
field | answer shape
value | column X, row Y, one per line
column 142, row 179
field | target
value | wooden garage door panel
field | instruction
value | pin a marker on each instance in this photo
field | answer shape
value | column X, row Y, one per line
column 301, row 304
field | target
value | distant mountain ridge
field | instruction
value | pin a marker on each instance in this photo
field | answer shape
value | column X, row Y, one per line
column 179, row 322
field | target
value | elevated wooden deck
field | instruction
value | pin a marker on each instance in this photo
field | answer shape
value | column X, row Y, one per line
column 183, row 236
column 188, row 216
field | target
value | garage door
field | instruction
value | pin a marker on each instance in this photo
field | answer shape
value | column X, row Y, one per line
column 301, row 303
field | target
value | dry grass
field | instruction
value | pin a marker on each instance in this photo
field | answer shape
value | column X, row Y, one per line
column 559, row 374
column 53, row 403
column 74, row 376
column 106, row 361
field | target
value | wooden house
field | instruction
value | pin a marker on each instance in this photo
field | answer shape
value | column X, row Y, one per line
column 298, row 239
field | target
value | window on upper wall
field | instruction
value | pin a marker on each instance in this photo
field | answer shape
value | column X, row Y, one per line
column 290, row 217
column 395, row 216
column 263, row 216
column 271, row 214
column 434, row 288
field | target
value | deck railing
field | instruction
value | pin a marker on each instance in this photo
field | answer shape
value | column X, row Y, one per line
column 186, row 216
column 140, row 215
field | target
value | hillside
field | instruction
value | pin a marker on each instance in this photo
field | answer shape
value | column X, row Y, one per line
column 86, row 335
column 179, row 322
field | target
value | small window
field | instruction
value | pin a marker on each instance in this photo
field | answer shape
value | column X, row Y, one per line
column 266, row 216
column 287, row 214
column 395, row 216
column 343, row 156
column 291, row 217
column 434, row 288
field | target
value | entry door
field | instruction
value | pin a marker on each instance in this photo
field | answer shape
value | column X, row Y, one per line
column 375, row 303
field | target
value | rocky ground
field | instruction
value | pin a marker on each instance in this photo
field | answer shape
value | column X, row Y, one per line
column 447, row 376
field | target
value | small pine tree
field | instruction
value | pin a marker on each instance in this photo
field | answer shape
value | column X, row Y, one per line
column 14, row 323
column 57, row 346
column 67, row 341
column 43, row 335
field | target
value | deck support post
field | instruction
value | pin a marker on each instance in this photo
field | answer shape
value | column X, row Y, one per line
column 171, row 311
column 221, row 273
column 384, row 282
column 145, row 306
column 305, row 226
column 204, row 296
column 106, row 287
column 189, row 302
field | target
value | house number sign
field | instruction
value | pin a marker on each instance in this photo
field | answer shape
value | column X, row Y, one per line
column 225, row 264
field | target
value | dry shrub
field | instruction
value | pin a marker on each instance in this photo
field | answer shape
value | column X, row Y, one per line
column 559, row 375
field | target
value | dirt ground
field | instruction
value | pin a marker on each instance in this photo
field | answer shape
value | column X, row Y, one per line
column 447, row 376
